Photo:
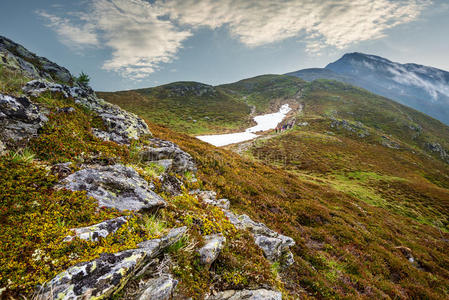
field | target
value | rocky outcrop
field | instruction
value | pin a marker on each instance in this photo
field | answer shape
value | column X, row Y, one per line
column 165, row 150
column 261, row 294
column 107, row 274
column 95, row 232
column 20, row 119
column 115, row 186
column 16, row 57
column 160, row 288
column 214, row 243
column 389, row 143
column 275, row 246
column 122, row 126
column 438, row 149
column 171, row 185
column 358, row 128
column 210, row 197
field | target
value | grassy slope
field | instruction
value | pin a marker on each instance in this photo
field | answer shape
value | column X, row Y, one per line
column 262, row 91
column 348, row 201
column 217, row 109
column 345, row 246
column 35, row 217
column 177, row 105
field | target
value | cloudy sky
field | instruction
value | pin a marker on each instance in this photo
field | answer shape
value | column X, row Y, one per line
column 126, row 44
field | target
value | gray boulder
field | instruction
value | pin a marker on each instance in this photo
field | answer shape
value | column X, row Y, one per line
column 16, row 57
column 115, row 186
column 261, row 294
column 210, row 197
column 275, row 246
column 106, row 275
column 438, row 149
column 97, row 231
column 214, row 243
column 122, row 126
column 181, row 160
column 20, row 119
column 160, row 288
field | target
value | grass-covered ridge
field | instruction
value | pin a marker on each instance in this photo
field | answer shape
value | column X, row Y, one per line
column 185, row 106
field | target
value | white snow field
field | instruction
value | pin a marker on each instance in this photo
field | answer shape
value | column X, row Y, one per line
column 264, row 123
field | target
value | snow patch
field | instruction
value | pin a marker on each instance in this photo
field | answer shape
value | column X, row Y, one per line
column 264, row 123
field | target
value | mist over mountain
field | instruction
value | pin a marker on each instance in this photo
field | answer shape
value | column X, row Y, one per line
column 423, row 88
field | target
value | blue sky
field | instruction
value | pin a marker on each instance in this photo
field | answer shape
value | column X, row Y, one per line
column 127, row 44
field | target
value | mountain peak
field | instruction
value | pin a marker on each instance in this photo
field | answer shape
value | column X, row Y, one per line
column 420, row 87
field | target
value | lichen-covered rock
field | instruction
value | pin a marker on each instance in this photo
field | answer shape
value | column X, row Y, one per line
column 214, row 243
column 61, row 170
column 275, row 246
column 2, row 148
column 122, row 126
column 173, row 236
column 210, row 197
column 115, row 186
column 16, row 57
column 160, row 288
column 106, row 275
column 20, row 119
column 181, row 161
column 437, row 148
column 97, row 231
column 261, row 294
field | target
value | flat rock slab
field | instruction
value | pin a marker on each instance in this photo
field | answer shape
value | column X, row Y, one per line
column 106, row 275
column 115, row 186
column 160, row 288
column 97, row 231
column 261, row 294
column 181, row 160
column 214, row 243
column 275, row 246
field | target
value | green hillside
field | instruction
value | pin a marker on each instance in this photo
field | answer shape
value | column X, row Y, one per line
column 361, row 182
column 185, row 106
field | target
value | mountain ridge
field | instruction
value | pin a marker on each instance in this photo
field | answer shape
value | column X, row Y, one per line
column 423, row 88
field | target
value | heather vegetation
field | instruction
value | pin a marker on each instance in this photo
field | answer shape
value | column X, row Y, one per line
column 358, row 189
column 346, row 246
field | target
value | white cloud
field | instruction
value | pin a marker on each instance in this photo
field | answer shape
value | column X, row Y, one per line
column 140, row 40
column 142, row 35
column 321, row 23
column 71, row 35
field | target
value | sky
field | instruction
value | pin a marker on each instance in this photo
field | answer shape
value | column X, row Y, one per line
column 129, row 44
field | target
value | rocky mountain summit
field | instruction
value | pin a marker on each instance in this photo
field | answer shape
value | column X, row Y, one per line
column 423, row 88
column 128, row 210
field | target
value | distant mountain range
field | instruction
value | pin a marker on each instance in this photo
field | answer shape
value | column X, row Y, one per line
column 420, row 87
